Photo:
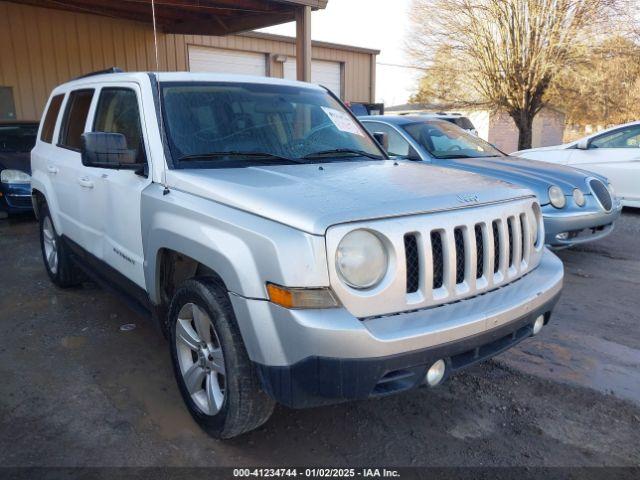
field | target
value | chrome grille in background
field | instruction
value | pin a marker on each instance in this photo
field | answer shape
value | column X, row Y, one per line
column 599, row 189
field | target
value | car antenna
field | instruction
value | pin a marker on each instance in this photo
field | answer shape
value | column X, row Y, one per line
column 161, row 122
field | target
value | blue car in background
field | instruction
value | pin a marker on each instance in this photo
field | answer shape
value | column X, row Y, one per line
column 16, row 141
column 577, row 206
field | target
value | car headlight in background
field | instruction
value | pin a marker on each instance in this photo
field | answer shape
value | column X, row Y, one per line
column 14, row 176
column 362, row 259
column 578, row 197
column 556, row 197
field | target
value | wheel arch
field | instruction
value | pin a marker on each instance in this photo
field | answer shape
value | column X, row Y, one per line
column 178, row 259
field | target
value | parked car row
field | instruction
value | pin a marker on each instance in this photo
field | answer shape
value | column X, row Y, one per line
column 16, row 141
column 613, row 153
column 286, row 256
column 577, row 206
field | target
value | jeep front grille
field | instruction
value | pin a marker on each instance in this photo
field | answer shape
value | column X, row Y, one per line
column 444, row 257
column 413, row 267
column 515, row 238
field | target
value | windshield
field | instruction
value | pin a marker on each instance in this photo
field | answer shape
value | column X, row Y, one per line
column 462, row 122
column 18, row 137
column 445, row 140
column 273, row 123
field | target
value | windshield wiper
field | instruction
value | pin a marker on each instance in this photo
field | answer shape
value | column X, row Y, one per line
column 334, row 151
column 458, row 155
column 233, row 153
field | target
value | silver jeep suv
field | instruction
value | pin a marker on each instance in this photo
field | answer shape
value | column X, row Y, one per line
column 286, row 258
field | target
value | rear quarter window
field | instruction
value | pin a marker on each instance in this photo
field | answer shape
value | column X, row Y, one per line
column 49, row 124
column 75, row 118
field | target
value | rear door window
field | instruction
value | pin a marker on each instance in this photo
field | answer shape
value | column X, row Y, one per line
column 75, row 118
column 50, row 118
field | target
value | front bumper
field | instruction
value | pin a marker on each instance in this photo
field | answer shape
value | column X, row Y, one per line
column 581, row 227
column 15, row 198
column 314, row 357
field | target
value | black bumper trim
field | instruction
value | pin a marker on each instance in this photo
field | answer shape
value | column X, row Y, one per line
column 316, row 381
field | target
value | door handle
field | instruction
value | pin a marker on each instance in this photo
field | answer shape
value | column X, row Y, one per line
column 52, row 170
column 85, row 182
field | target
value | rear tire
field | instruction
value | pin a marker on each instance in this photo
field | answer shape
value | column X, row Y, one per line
column 216, row 379
column 57, row 260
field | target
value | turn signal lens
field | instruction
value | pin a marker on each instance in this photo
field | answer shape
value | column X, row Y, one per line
column 299, row 298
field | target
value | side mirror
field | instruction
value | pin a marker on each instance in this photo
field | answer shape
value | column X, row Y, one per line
column 413, row 154
column 383, row 139
column 583, row 144
column 108, row 150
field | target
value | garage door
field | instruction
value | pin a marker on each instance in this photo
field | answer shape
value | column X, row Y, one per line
column 328, row 74
column 216, row 60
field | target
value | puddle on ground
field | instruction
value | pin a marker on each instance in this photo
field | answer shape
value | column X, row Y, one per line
column 585, row 360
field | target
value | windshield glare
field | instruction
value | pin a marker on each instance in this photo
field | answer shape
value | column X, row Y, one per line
column 17, row 138
column 445, row 140
column 276, row 120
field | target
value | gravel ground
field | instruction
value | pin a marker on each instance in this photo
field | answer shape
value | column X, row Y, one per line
column 77, row 391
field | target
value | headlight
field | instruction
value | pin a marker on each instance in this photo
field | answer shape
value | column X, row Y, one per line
column 578, row 197
column 556, row 197
column 611, row 191
column 361, row 259
column 14, row 176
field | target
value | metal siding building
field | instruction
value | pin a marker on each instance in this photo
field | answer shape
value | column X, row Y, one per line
column 41, row 48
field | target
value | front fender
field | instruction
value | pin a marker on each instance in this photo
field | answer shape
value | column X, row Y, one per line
column 244, row 249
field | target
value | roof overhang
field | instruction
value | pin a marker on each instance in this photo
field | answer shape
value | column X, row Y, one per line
column 198, row 17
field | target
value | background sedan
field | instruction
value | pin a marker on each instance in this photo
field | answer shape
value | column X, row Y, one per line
column 577, row 206
column 16, row 141
column 613, row 153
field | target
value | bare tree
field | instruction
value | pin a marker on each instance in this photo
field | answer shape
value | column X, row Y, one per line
column 604, row 89
column 510, row 51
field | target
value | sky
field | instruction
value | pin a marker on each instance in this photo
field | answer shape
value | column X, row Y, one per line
column 376, row 24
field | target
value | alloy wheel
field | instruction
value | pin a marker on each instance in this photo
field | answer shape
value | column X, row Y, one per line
column 50, row 245
column 200, row 358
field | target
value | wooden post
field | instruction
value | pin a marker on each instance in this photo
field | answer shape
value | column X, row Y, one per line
column 303, row 43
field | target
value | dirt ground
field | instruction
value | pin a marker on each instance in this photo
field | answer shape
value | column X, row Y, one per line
column 75, row 390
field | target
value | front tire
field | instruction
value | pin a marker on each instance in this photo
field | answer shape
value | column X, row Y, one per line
column 57, row 261
column 217, row 380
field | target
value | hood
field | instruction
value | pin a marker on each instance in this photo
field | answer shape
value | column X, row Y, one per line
column 535, row 175
column 313, row 197
column 16, row 161
column 563, row 146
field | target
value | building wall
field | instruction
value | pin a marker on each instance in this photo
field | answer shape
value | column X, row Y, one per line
column 41, row 48
column 548, row 129
column 503, row 132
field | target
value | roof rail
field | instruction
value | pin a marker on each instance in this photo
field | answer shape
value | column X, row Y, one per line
column 100, row 72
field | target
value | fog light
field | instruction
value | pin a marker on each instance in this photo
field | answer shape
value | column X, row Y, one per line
column 562, row 236
column 436, row 373
column 538, row 324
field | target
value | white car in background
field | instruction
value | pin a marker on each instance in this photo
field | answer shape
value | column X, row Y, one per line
column 613, row 153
